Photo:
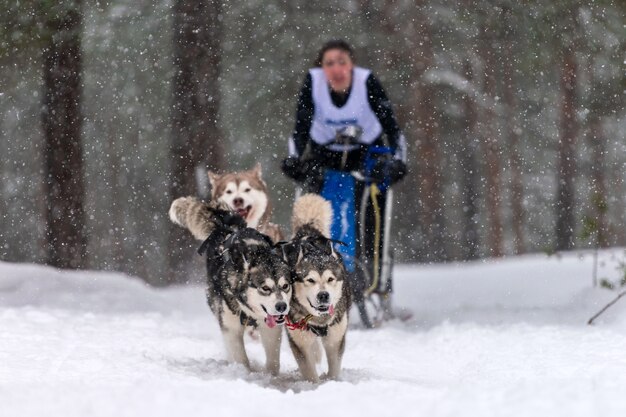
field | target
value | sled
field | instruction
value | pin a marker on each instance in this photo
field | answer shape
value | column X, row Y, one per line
column 367, row 253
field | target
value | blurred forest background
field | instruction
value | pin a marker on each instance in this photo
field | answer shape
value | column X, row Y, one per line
column 514, row 113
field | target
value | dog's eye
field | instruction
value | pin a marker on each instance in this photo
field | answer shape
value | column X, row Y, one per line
column 229, row 192
column 247, row 190
column 265, row 288
column 310, row 280
column 331, row 279
column 285, row 287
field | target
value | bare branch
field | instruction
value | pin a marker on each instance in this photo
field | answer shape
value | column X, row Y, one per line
column 623, row 293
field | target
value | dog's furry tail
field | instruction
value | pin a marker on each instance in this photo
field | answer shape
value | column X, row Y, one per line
column 314, row 211
column 194, row 215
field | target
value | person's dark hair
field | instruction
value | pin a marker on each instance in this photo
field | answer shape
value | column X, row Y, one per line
column 334, row 44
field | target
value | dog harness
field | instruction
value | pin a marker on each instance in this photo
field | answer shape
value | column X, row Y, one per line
column 226, row 223
column 303, row 324
column 299, row 325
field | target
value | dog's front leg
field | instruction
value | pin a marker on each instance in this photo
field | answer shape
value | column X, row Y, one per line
column 271, row 343
column 233, row 339
column 232, row 331
column 334, row 345
column 304, row 351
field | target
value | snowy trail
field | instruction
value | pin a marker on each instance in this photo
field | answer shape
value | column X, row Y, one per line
column 493, row 339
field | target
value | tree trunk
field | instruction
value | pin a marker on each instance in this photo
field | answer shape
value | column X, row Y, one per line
column 565, row 224
column 425, row 133
column 491, row 145
column 419, row 117
column 597, row 144
column 62, row 121
column 469, row 169
column 598, row 182
column 616, row 179
column 513, row 130
column 196, row 139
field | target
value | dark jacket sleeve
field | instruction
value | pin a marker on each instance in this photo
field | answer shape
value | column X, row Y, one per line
column 379, row 102
column 304, row 116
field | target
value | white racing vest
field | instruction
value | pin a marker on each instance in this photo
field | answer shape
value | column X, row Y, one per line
column 328, row 118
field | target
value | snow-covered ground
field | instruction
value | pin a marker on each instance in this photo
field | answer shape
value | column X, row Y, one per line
column 505, row 338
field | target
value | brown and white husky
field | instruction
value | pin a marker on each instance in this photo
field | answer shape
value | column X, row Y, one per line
column 246, row 194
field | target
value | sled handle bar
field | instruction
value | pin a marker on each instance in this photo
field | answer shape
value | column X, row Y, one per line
column 358, row 175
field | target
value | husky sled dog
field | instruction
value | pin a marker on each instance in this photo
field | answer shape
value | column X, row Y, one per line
column 245, row 193
column 321, row 297
column 249, row 282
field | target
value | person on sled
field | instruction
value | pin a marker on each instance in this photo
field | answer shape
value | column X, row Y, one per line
column 346, row 138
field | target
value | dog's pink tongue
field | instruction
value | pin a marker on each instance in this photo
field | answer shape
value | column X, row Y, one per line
column 331, row 310
column 270, row 321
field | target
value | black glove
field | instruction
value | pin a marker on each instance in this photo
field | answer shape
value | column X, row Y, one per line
column 291, row 167
column 393, row 170
column 397, row 170
column 303, row 171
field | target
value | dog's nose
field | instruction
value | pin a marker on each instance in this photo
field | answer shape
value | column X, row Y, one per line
column 238, row 202
column 323, row 297
column 281, row 306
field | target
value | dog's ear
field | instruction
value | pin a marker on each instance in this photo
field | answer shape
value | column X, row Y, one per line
column 245, row 263
column 300, row 255
column 332, row 250
column 290, row 253
column 213, row 178
column 257, row 171
column 238, row 257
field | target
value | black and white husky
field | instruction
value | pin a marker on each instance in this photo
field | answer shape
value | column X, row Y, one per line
column 321, row 298
column 249, row 281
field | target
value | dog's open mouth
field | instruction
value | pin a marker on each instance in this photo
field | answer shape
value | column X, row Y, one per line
column 324, row 308
column 243, row 211
column 273, row 321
